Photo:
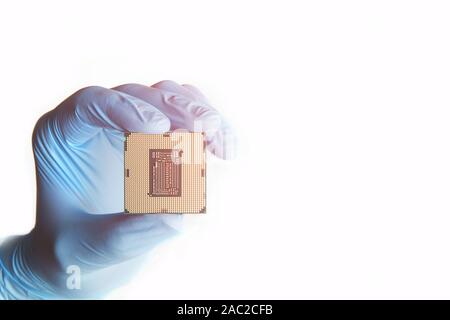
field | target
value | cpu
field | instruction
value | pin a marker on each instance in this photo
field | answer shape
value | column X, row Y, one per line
column 165, row 173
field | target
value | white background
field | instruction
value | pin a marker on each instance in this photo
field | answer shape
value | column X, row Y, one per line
column 342, row 108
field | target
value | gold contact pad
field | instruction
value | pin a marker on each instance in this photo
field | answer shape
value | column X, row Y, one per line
column 165, row 173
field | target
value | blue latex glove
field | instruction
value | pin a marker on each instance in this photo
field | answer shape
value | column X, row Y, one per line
column 82, row 245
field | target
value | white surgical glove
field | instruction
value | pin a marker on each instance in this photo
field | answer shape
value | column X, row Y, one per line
column 80, row 227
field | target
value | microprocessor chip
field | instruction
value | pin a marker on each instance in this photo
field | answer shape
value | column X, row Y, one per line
column 165, row 173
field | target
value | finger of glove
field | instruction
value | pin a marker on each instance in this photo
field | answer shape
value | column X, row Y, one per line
column 185, row 114
column 91, row 109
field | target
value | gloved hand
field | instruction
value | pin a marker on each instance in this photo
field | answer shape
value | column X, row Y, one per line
column 82, row 245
